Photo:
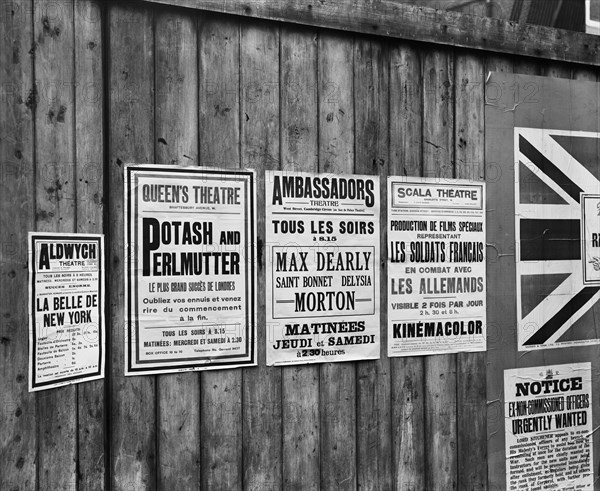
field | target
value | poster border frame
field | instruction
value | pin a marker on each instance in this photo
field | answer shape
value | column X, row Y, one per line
column 100, row 373
column 249, row 175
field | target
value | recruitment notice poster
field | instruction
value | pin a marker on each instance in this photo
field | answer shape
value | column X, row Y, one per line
column 436, row 266
column 548, row 427
column 322, row 234
column 66, row 297
column 190, row 271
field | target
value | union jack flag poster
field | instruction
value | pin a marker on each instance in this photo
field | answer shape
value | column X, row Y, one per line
column 557, row 234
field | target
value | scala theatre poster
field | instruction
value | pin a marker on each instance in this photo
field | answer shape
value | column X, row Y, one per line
column 436, row 266
column 190, row 270
column 543, row 182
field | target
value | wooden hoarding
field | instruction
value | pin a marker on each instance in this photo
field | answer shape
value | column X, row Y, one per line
column 542, row 139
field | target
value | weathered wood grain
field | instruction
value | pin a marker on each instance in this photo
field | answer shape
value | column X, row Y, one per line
column 336, row 108
column 299, row 151
column 18, row 437
column 406, row 111
column 440, row 370
column 89, row 156
column 219, row 91
column 500, row 271
column 55, row 192
column 132, row 435
column 417, row 23
column 176, row 91
column 372, row 147
column 408, row 378
column 176, row 143
column 471, row 383
column 260, row 150
column 336, row 155
column 221, row 391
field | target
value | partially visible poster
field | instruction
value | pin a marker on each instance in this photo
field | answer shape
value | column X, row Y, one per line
column 548, row 427
column 557, row 236
column 436, row 266
column 66, row 298
column 322, row 255
column 190, row 270
column 592, row 16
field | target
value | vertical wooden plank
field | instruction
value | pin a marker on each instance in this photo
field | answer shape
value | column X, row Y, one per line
column 18, row 438
column 221, row 391
column 89, row 137
column 440, row 370
column 260, row 150
column 299, row 151
column 176, row 127
column 374, row 412
column 219, row 45
column 406, row 111
column 408, row 377
column 176, row 142
column 336, row 113
column 500, row 271
column 132, row 415
column 55, row 212
column 471, row 367
column 336, row 155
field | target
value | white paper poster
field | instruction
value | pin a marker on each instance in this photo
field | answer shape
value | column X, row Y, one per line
column 436, row 266
column 66, row 322
column 190, row 271
column 548, row 427
column 323, row 242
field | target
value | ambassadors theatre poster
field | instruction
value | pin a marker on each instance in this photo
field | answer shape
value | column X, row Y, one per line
column 190, row 271
column 322, row 237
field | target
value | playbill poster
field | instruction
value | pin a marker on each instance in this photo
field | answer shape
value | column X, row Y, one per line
column 322, row 257
column 548, row 427
column 190, row 269
column 66, row 297
column 436, row 266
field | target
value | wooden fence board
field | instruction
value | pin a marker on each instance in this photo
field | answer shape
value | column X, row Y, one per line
column 132, row 435
column 18, row 438
column 89, row 155
column 418, row 23
column 176, row 143
column 471, row 388
column 219, row 110
column 408, row 377
column 500, row 253
column 299, row 151
column 374, row 418
column 260, row 147
column 440, row 370
column 336, row 155
column 55, row 192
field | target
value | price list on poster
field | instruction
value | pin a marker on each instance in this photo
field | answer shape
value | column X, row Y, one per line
column 66, row 340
